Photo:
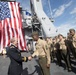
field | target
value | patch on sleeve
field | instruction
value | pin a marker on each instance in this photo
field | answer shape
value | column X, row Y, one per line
column 46, row 47
column 12, row 47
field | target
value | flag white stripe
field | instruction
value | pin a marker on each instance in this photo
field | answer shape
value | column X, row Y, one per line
column 12, row 26
column 2, row 37
column 22, row 41
column 11, row 12
column 17, row 10
column 6, row 34
column 20, row 31
column 17, row 23
column 8, row 21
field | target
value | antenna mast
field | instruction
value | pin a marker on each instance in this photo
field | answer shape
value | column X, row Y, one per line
column 50, row 8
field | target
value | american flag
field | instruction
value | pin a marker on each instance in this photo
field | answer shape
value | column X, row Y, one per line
column 11, row 25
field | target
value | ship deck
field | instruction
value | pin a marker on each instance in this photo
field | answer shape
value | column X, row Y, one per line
column 32, row 67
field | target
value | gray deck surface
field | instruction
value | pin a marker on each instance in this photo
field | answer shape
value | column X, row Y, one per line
column 32, row 67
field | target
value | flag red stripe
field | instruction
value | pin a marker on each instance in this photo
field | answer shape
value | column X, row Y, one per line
column 12, row 27
column 24, row 44
column 9, row 33
column 17, row 24
column 3, row 34
column 6, row 34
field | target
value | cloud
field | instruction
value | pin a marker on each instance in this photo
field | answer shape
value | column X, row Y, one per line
column 44, row 2
column 67, row 5
column 25, row 4
column 61, row 9
column 54, row 10
column 64, row 29
column 73, row 11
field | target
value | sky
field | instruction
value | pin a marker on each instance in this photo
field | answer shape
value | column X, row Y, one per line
column 63, row 13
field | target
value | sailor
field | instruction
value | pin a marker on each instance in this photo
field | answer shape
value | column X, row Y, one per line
column 43, row 53
column 15, row 67
column 64, row 53
column 53, row 50
column 49, row 42
column 73, row 34
column 57, row 50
